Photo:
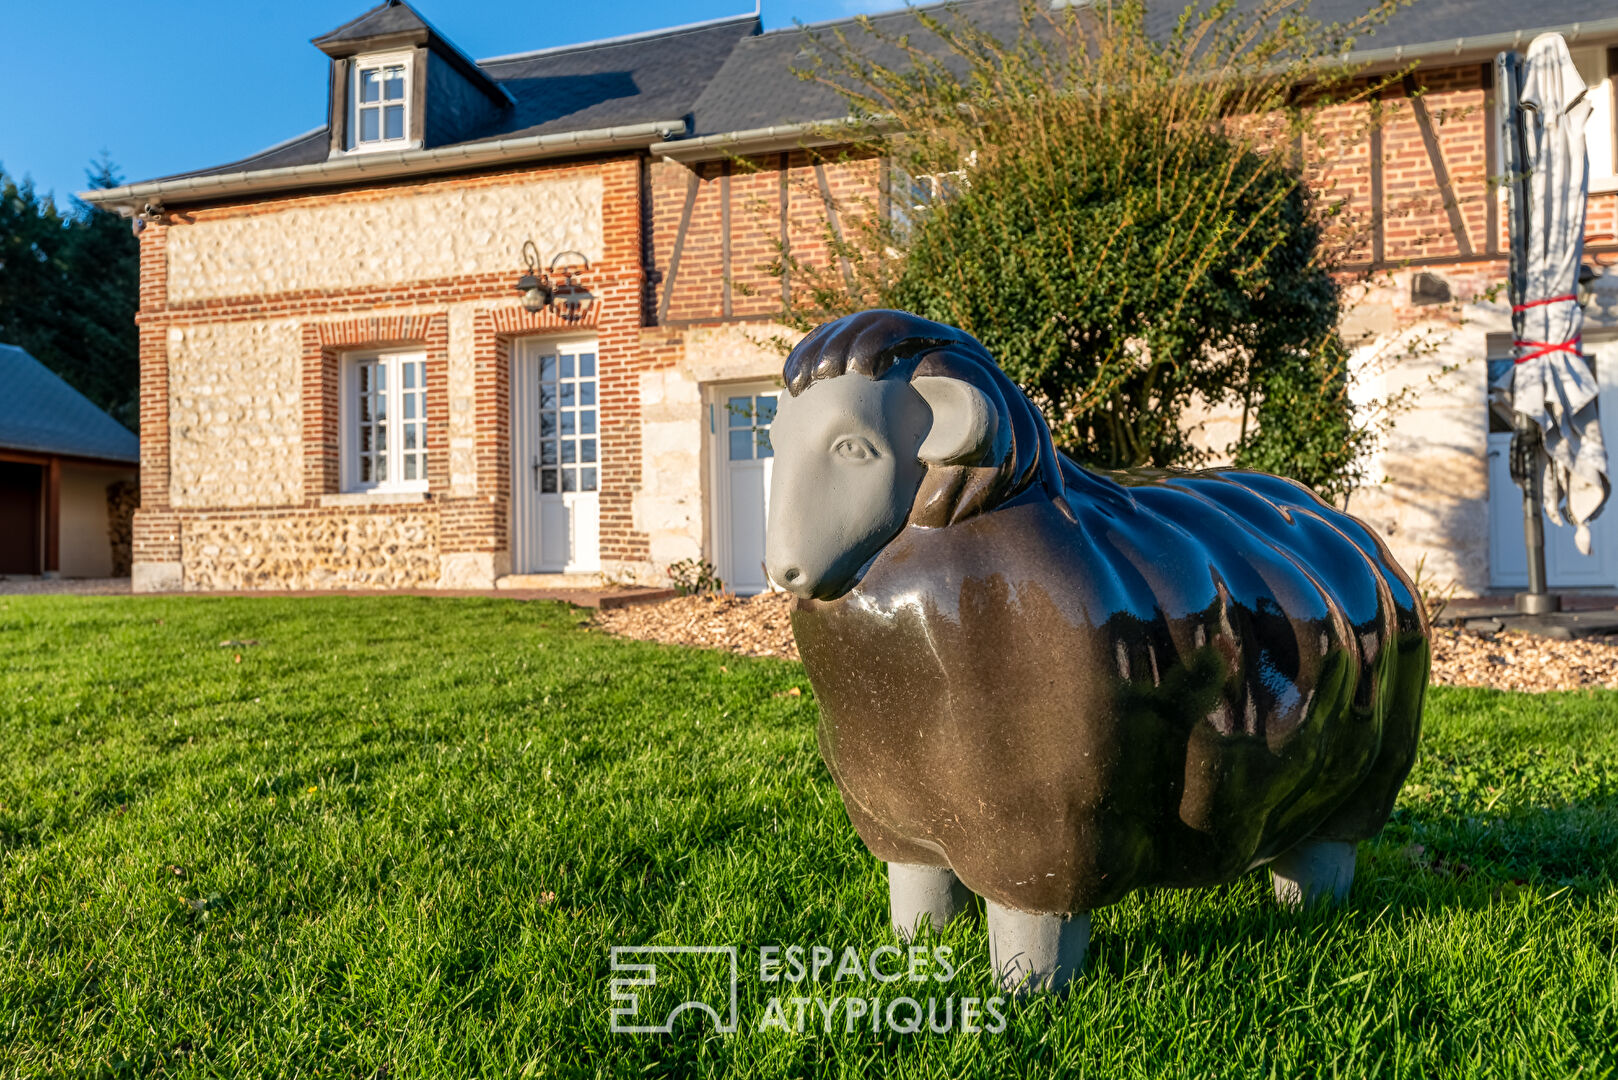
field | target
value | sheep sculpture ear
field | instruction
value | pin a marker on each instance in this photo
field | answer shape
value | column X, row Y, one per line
column 964, row 421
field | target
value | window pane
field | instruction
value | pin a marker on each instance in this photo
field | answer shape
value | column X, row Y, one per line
column 547, row 481
column 587, row 479
column 587, row 393
column 547, row 452
column 365, row 438
column 567, row 422
column 365, row 469
column 393, row 122
column 587, row 421
column 547, row 424
column 587, row 364
column 393, row 83
column 365, row 378
column 547, row 396
column 365, row 409
column 381, row 469
column 570, row 479
column 368, row 125
column 587, row 449
column 381, row 403
column 741, row 445
column 764, row 410
column 382, row 438
column 410, row 466
column 567, row 394
column 568, row 449
column 741, row 411
column 370, row 85
column 761, row 442
column 410, row 436
column 410, row 375
column 410, row 406
column 547, row 368
column 567, row 367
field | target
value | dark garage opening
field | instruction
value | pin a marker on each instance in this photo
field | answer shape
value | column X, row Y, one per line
column 21, row 490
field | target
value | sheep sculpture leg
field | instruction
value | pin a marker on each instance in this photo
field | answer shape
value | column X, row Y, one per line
column 1315, row 871
column 917, row 892
column 1034, row 953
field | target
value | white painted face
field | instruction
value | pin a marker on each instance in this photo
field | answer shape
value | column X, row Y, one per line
column 850, row 454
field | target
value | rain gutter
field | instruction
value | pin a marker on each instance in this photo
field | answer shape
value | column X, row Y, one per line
column 130, row 199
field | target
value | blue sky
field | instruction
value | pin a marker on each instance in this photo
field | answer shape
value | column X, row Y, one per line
column 185, row 84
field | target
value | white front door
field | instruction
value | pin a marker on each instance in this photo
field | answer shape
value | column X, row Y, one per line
column 739, row 421
column 555, row 467
column 1564, row 566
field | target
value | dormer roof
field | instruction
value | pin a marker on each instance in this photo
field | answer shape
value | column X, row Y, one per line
column 395, row 24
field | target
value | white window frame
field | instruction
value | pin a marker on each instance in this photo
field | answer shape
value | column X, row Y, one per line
column 357, row 67
column 348, row 424
column 1591, row 60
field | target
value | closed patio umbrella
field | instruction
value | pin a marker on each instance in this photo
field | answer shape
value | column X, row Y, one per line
column 1558, row 454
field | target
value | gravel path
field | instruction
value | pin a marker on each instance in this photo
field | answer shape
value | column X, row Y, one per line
column 113, row 586
column 759, row 626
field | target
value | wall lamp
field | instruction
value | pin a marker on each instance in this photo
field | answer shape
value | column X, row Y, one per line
column 541, row 289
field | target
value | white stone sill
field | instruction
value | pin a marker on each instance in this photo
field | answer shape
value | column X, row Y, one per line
column 376, row 498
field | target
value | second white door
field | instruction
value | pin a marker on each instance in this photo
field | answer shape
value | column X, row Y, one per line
column 739, row 422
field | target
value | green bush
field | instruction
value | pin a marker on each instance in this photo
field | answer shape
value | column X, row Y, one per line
column 1117, row 215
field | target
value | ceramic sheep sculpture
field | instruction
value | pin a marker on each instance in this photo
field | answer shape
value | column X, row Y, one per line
column 1053, row 686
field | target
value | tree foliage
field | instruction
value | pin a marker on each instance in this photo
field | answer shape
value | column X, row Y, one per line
column 1116, row 209
column 69, row 290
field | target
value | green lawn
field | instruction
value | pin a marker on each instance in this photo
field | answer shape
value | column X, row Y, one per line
column 398, row 836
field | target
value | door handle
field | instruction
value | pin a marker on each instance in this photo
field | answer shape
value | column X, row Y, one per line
column 536, row 472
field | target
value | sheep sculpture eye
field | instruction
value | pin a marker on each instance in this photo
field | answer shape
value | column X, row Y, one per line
column 854, row 449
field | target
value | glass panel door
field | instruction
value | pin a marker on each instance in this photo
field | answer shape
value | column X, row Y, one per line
column 556, row 454
column 742, row 419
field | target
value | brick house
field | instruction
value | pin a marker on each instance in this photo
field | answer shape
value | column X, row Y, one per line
column 342, row 388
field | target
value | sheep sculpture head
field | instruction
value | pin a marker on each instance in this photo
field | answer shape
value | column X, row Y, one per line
column 1050, row 686
column 929, row 435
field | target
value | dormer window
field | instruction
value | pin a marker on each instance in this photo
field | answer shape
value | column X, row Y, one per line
column 381, row 96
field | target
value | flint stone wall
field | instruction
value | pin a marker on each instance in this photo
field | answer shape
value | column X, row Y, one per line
column 312, row 550
column 442, row 232
column 235, row 433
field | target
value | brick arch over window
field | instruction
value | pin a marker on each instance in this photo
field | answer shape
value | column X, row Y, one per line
column 324, row 344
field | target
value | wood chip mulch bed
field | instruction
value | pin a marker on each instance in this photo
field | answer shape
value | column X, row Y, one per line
column 760, row 626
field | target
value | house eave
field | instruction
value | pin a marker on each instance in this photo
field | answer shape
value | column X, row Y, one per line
column 1453, row 51
column 130, row 199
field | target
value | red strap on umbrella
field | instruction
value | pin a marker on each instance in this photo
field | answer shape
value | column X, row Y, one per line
column 1543, row 348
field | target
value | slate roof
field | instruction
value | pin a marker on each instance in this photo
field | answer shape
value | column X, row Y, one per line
column 41, row 413
column 606, row 84
column 729, row 75
column 756, row 87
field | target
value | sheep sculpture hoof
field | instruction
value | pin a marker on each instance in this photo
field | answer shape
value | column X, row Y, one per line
column 1314, row 872
column 1052, row 686
column 1031, row 953
column 918, row 893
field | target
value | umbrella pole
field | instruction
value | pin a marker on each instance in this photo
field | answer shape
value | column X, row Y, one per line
column 1537, row 600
